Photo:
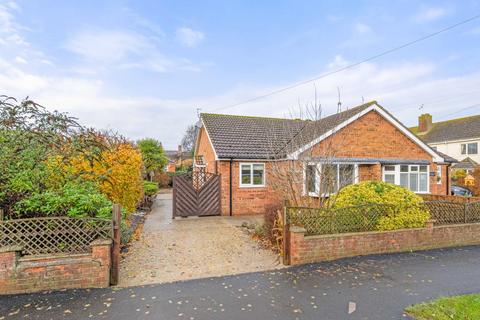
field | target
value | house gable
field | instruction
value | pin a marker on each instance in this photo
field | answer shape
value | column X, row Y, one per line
column 204, row 147
column 383, row 119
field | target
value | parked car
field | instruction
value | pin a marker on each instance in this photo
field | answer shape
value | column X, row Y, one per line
column 461, row 191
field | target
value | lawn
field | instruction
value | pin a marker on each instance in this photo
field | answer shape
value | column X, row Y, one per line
column 465, row 307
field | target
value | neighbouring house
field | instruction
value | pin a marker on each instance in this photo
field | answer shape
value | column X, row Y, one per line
column 177, row 159
column 363, row 143
column 458, row 138
column 468, row 165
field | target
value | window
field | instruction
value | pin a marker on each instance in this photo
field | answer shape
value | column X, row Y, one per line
column 472, row 148
column 252, row 174
column 324, row 179
column 439, row 174
column 412, row 177
column 311, row 178
column 469, row 148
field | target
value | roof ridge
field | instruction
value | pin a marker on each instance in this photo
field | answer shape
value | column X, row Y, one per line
column 366, row 104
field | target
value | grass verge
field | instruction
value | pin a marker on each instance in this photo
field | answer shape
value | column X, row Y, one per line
column 464, row 307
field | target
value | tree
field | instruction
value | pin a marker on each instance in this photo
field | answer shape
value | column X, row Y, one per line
column 188, row 140
column 154, row 158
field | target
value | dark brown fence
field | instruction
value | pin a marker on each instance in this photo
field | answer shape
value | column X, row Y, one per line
column 439, row 197
column 196, row 194
column 318, row 221
column 446, row 212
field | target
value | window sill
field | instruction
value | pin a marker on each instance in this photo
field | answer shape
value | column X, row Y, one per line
column 251, row 186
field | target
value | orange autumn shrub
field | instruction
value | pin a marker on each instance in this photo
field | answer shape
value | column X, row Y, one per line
column 118, row 172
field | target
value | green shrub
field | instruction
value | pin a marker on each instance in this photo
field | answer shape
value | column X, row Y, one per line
column 150, row 188
column 402, row 208
column 74, row 199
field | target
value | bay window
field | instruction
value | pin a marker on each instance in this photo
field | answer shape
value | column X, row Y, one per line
column 412, row 177
column 252, row 175
column 325, row 179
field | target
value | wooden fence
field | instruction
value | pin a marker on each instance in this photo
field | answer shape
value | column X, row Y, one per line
column 439, row 197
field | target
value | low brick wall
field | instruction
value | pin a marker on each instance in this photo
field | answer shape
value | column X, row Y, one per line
column 306, row 249
column 50, row 272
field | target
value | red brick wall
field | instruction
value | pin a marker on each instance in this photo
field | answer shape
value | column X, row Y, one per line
column 330, row 247
column 372, row 136
column 204, row 148
column 30, row 274
column 246, row 200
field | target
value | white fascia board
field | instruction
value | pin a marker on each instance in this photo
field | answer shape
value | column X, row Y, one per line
column 374, row 107
column 209, row 140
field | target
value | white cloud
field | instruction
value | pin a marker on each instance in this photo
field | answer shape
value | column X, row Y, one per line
column 20, row 60
column 124, row 50
column 362, row 28
column 401, row 88
column 189, row 37
column 430, row 14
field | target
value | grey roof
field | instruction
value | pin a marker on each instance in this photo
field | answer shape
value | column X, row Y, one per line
column 244, row 137
column 455, row 129
column 466, row 163
column 446, row 157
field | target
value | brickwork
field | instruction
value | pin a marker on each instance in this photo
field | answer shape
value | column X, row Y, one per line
column 330, row 247
column 371, row 136
column 204, row 148
column 51, row 272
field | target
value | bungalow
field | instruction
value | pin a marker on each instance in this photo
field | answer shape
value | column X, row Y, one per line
column 363, row 143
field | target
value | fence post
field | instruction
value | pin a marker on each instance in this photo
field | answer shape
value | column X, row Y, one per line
column 286, row 236
column 1, row 215
column 465, row 212
column 116, row 221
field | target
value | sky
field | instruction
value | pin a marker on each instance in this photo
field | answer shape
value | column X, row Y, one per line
column 143, row 68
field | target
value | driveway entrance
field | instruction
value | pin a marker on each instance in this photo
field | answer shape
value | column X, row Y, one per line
column 196, row 247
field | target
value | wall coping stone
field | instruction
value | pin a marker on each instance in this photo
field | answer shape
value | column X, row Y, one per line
column 12, row 248
column 339, row 235
column 101, row 242
column 296, row 229
column 54, row 256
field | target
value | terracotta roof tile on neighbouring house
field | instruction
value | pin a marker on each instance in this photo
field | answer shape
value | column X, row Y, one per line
column 451, row 130
column 243, row 137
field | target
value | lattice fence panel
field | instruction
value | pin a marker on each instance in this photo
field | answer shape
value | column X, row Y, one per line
column 54, row 235
column 447, row 212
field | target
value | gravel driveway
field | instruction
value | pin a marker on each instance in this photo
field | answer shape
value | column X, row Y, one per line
column 170, row 250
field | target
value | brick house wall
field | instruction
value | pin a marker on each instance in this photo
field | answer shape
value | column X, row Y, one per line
column 370, row 136
column 52, row 272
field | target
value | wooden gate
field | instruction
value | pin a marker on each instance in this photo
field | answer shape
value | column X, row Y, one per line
column 196, row 194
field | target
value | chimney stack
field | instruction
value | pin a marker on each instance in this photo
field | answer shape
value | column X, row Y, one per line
column 425, row 123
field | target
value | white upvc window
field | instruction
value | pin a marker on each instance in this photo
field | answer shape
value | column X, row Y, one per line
column 252, row 175
column 439, row 174
column 412, row 177
column 325, row 179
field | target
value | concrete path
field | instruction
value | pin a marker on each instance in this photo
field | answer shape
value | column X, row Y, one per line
column 375, row 287
column 180, row 249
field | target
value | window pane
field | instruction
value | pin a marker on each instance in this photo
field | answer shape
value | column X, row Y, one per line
column 404, row 168
column 473, row 148
column 463, row 148
column 258, row 172
column 246, row 174
column 414, row 182
column 346, row 174
column 389, row 168
column 311, row 178
column 328, row 180
column 423, row 168
column 404, row 180
column 414, row 168
column 389, row 178
column 423, row 185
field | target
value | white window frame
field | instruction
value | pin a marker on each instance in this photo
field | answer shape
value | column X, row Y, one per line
column 439, row 174
column 318, row 178
column 397, row 175
column 251, row 185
